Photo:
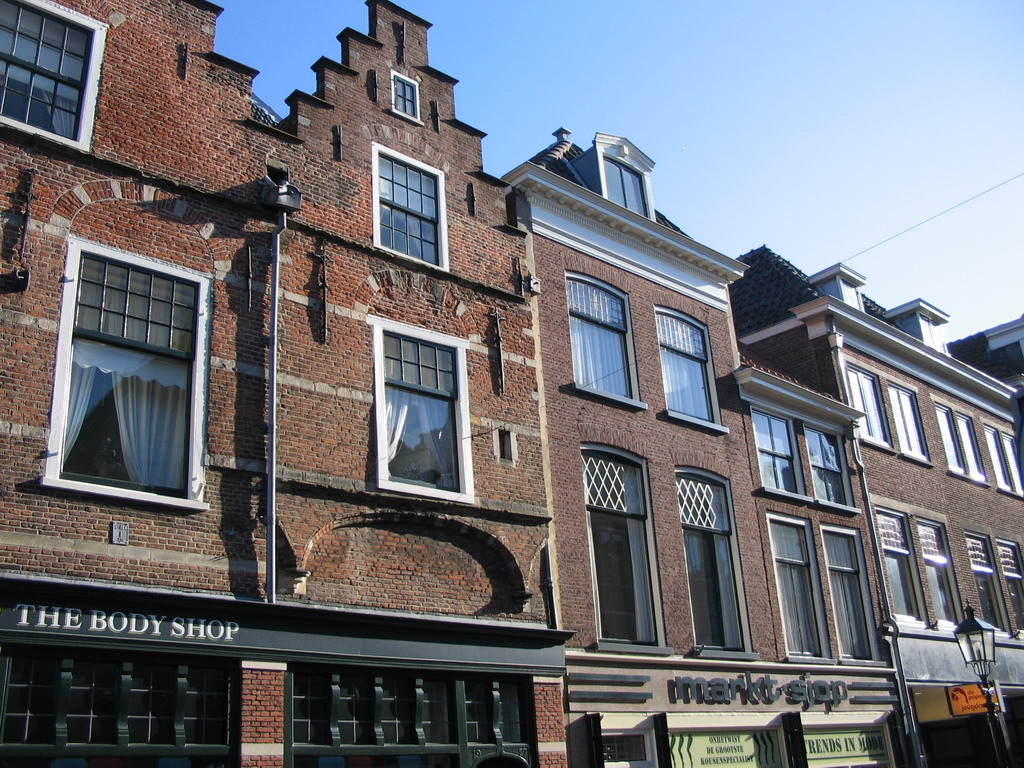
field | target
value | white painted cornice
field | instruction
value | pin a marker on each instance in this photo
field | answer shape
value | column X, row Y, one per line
column 898, row 349
column 757, row 386
column 540, row 184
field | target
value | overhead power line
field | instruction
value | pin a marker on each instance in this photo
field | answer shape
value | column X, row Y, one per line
column 932, row 218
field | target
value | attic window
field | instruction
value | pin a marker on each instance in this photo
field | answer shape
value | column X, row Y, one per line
column 625, row 187
column 405, row 96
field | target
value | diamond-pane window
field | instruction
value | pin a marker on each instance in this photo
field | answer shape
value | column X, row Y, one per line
column 605, row 483
column 701, row 503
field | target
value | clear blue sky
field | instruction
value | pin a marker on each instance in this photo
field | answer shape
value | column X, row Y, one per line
column 816, row 128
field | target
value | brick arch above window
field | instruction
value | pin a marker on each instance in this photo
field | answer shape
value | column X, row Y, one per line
column 433, row 561
column 70, row 205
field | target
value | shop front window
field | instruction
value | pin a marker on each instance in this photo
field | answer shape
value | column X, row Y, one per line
column 398, row 720
column 113, row 712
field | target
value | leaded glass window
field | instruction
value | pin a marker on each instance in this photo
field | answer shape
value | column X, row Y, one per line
column 892, row 534
column 684, row 366
column 618, row 524
column 707, row 536
column 989, row 597
column 938, row 568
column 598, row 332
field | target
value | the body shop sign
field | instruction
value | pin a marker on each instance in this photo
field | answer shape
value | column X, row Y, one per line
column 754, row 749
column 132, row 624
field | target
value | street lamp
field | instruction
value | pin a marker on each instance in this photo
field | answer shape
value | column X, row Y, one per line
column 977, row 641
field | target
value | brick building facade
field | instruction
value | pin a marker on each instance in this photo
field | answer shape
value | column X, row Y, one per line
column 720, row 612
column 194, row 292
column 942, row 474
column 324, row 447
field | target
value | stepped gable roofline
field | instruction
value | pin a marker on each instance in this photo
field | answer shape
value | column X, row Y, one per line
column 372, row 4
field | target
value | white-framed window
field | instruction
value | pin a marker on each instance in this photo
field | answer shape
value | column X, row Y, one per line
column 1003, row 453
column 685, row 366
column 599, row 334
column 864, row 396
column 421, row 410
column 706, row 518
column 899, row 564
column 775, row 454
column 844, row 559
column 129, row 400
column 908, row 422
column 49, row 70
column 1009, row 560
column 827, row 466
column 797, row 580
column 938, row 569
column 409, row 207
column 405, row 96
column 957, row 430
column 628, row 749
column 625, row 186
column 617, row 506
column 990, row 600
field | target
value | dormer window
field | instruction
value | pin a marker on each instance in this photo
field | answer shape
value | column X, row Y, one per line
column 840, row 282
column 921, row 320
column 615, row 169
column 625, row 187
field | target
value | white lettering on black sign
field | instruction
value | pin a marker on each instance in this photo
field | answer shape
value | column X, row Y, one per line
column 121, row 623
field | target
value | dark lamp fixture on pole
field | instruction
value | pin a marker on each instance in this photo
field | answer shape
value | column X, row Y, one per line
column 977, row 641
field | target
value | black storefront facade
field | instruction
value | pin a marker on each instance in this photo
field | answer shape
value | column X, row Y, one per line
column 113, row 678
column 948, row 705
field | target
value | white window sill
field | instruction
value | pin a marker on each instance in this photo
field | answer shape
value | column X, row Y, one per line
column 800, row 658
column 126, row 494
column 697, row 421
column 425, row 491
column 413, row 259
column 916, row 458
column 787, row 494
column 881, row 445
column 849, row 661
column 976, row 479
column 82, row 144
column 834, row 505
column 410, row 118
column 624, row 646
column 629, row 402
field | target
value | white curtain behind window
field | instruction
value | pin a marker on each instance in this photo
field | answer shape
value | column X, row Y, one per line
column 152, row 406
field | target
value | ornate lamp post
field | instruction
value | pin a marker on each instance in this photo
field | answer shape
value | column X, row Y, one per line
column 977, row 641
